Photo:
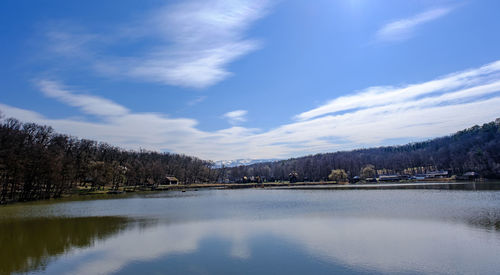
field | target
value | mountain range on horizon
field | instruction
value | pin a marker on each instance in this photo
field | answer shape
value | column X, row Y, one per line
column 239, row 162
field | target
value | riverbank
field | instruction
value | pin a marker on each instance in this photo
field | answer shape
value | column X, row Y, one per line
column 416, row 185
column 123, row 192
column 85, row 193
column 177, row 187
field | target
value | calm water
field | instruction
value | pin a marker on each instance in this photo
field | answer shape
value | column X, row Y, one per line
column 257, row 231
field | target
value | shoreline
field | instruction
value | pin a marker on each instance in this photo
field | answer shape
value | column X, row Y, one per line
column 392, row 186
column 436, row 185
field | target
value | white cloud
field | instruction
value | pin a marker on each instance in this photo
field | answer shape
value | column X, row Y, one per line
column 370, row 118
column 205, row 37
column 376, row 96
column 404, row 28
column 89, row 104
column 189, row 44
column 235, row 117
column 197, row 100
column 69, row 43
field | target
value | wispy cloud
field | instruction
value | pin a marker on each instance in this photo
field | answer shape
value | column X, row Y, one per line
column 404, row 28
column 369, row 118
column 206, row 36
column 379, row 96
column 189, row 44
column 197, row 100
column 89, row 104
column 236, row 117
column 66, row 39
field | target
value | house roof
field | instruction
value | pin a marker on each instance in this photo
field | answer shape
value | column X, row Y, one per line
column 170, row 178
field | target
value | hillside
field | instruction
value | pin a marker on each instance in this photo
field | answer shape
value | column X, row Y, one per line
column 475, row 149
column 36, row 163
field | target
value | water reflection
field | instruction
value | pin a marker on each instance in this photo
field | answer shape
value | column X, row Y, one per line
column 257, row 231
column 487, row 219
column 347, row 244
column 29, row 244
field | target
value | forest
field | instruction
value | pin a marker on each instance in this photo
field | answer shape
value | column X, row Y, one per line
column 476, row 149
column 36, row 163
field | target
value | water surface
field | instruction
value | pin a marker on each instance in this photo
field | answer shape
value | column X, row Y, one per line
column 257, row 231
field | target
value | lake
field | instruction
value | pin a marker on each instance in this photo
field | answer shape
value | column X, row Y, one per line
column 251, row 231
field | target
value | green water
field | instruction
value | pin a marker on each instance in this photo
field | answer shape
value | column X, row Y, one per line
column 257, row 231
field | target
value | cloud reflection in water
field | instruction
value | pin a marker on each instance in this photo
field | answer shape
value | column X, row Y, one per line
column 376, row 245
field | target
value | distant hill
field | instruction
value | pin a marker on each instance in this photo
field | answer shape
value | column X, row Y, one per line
column 474, row 149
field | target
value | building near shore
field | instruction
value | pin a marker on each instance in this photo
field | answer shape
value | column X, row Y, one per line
column 171, row 180
column 437, row 174
column 393, row 177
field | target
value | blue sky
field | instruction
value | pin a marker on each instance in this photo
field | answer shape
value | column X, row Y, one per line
column 251, row 79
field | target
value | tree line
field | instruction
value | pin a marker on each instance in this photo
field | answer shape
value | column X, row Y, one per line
column 475, row 149
column 37, row 163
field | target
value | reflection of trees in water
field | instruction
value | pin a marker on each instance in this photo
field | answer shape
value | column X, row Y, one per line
column 26, row 245
column 489, row 220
